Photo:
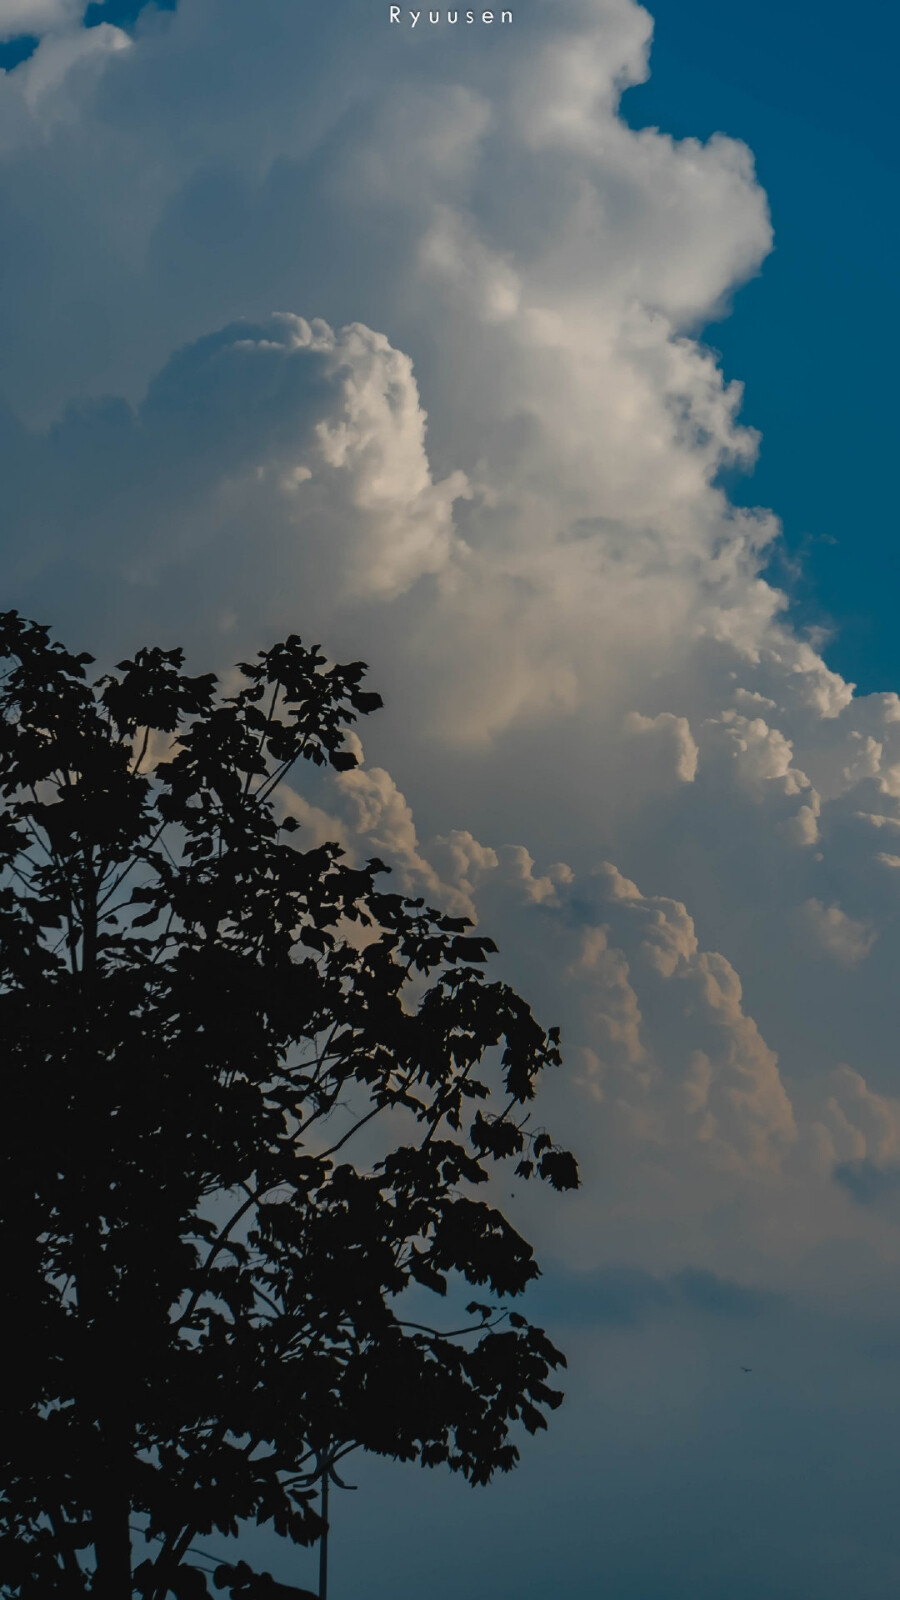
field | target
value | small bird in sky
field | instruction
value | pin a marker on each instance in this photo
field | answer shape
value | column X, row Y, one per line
column 746, row 1369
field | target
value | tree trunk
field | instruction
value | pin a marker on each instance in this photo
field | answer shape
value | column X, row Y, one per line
column 112, row 1498
column 112, row 1539
column 112, row 1507
column 323, row 1541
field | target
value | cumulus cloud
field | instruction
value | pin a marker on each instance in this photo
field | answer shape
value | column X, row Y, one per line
column 306, row 330
column 669, row 1059
column 42, row 97
column 666, row 1042
column 274, row 458
column 37, row 16
column 840, row 936
column 863, row 1125
column 674, row 734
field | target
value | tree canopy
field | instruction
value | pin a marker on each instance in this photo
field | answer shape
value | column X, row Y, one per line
column 249, row 1101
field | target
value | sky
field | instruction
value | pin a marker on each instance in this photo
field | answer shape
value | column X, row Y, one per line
column 813, row 340
column 551, row 369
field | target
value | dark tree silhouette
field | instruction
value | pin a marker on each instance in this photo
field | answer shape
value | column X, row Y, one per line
column 247, row 1101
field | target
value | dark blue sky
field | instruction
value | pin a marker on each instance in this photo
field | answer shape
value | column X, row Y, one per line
column 816, row 339
column 124, row 13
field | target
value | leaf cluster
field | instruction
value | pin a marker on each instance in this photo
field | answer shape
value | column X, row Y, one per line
column 249, row 1099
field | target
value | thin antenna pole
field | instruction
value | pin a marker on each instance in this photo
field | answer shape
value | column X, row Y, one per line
column 323, row 1540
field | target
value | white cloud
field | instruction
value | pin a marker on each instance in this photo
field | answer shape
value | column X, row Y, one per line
column 846, row 940
column 861, row 1124
column 42, row 97
column 37, row 16
column 674, row 733
column 665, row 1033
column 489, row 461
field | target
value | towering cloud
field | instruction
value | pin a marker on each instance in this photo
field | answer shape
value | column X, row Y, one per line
column 404, row 339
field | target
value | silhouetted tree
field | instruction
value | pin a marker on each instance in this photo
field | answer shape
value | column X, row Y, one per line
column 201, row 1023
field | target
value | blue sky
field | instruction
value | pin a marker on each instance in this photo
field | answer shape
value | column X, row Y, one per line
column 405, row 343
column 814, row 339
